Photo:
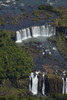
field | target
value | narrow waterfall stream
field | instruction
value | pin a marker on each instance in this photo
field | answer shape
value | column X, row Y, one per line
column 66, row 85
column 30, row 81
column 63, row 90
column 43, row 87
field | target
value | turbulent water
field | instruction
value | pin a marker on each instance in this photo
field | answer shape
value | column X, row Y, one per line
column 64, row 91
column 35, row 31
column 32, row 2
column 43, row 86
column 34, row 86
column 66, row 85
column 34, row 83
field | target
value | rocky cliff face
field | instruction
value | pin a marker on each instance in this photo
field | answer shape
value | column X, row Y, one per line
column 53, row 85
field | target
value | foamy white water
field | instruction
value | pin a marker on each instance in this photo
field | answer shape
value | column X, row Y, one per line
column 36, row 31
column 43, row 87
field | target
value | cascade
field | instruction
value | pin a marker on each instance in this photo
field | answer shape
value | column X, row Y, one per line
column 43, row 87
column 54, row 31
column 47, row 31
column 34, row 86
column 66, row 85
column 30, row 81
column 35, row 31
column 42, row 28
column 63, row 86
column 23, row 34
column 28, row 33
column 64, row 91
column 18, row 36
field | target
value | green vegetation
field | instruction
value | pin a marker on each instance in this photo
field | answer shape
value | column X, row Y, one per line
column 35, row 19
column 61, row 21
column 57, row 16
column 50, row 8
column 45, row 7
column 23, row 9
column 60, row 96
column 15, row 67
column 14, row 87
column 19, row 17
column 26, row 15
column 14, row 21
column 28, row 98
column 41, row 15
column 54, row 84
column 48, row 15
column 55, row 97
column 2, row 20
column 62, row 45
column 38, row 12
column 15, row 63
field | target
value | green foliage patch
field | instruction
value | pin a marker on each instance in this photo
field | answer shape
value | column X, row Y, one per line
column 50, row 8
column 2, row 20
column 62, row 45
column 15, row 63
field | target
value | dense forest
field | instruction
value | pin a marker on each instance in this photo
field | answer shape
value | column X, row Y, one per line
column 14, row 62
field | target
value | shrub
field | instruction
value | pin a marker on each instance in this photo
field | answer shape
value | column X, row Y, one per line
column 60, row 96
column 3, row 98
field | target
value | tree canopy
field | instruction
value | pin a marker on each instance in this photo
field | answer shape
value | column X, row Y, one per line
column 15, row 63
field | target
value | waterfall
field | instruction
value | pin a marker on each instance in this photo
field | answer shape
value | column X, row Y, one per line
column 63, row 86
column 47, row 31
column 33, row 83
column 43, row 87
column 42, row 28
column 18, row 36
column 30, row 81
column 64, row 91
column 54, row 31
column 23, row 34
column 35, row 31
column 34, row 86
column 28, row 33
column 66, row 85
